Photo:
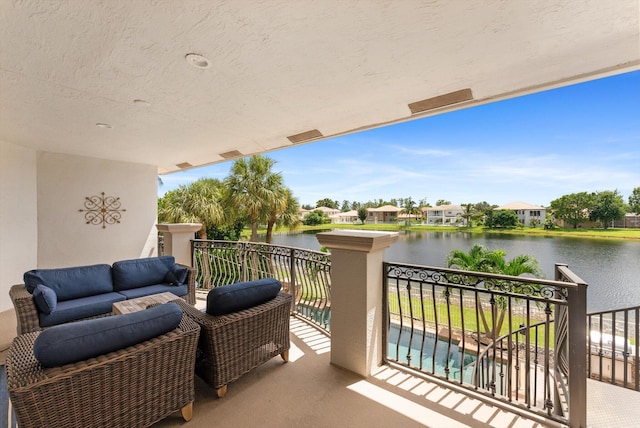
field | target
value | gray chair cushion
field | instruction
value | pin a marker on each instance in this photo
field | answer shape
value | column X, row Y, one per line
column 241, row 295
column 71, row 283
column 135, row 273
column 73, row 342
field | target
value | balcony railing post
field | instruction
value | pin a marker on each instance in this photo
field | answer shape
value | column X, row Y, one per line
column 177, row 240
column 292, row 278
column 356, row 297
column 577, row 338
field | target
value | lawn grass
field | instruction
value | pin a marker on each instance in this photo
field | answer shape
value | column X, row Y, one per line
column 429, row 311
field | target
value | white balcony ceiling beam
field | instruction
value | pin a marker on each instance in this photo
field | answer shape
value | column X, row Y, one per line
column 279, row 68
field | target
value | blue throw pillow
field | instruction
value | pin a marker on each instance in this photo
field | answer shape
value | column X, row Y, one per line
column 78, row 341
column 177, row 275
column 45, row 298
column 241, row 295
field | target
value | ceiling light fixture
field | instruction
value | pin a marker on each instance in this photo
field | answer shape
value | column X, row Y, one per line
column 104, row 125
column 184, row 165
column 197, row 60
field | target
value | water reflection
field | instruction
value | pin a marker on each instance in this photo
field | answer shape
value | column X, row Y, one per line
column 610, row 267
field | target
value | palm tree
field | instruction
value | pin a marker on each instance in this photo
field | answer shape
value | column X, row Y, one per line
column 410, row 208
column 480, row 259
column 252, row 189
column 199, row 202
column 284, row 213
column 468, row 214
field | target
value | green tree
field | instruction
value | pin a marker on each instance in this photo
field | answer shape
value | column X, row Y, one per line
column 442, row 202
column 468, row 214
column 363, row 214
column 634, row 201
column 253, row 189
column 608, row 206
column 315, row 218
column 198, row 202
column 573, row 209
column 326, row 202
column 502, row 218
column 283, row 213
column 410, row 208
column 345, row 206
column 480, row 259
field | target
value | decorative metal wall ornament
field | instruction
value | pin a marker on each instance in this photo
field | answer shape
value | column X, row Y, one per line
column 102, row 210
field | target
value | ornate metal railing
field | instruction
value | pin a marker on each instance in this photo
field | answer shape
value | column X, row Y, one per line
column 613, row 347
column 491, row 333
column 303, row 273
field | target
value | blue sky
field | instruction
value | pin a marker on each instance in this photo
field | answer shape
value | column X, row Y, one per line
column 533, row 149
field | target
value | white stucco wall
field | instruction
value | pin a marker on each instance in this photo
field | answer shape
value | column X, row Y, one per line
column 18, row 217
column 64, row 238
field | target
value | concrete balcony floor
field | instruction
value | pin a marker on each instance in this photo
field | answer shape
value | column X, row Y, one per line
column 309, row 391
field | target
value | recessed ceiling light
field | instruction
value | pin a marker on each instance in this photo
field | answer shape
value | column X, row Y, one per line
column 104, row 125
column 142, row 103
column 197, row 60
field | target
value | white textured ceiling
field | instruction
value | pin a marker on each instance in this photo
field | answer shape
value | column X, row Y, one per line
column 279, row 67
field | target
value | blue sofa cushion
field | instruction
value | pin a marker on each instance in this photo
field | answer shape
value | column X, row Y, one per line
column 70, row 343
column 84, row 307
column 128, row 274
column 177, row 275
column 73, row 282
column 178, row 290
column 241, row 295
column 45, row 298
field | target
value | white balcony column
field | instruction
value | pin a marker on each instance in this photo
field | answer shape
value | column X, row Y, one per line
column 177, row 240
column 356, row 297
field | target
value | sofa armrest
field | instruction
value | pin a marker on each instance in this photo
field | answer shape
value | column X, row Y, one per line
column 26, row 310
column 190, row 298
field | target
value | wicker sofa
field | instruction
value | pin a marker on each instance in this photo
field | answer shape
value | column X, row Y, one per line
column 56, row 296
column 135, row 386
column 234, row 343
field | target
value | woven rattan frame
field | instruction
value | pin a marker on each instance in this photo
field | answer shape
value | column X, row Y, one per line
column 133, row 387
column 27, row 312
column 233, row 344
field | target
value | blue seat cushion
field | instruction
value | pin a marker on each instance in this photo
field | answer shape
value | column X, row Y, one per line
column 178, row 290
column 71, row 283
column 135, row 273
column 241, row 295
column 45, row 298
column 84, row 307
column 70, row 343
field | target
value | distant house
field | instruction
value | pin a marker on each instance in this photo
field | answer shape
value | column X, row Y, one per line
column 443, row 215
column 346, row 217
column 525, row 212
column 383, row 214
column 630, row 220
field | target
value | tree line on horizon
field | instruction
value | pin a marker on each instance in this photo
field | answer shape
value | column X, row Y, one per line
column 574, row 209
column 253, row 195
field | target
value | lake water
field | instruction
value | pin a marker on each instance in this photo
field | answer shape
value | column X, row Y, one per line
column 610, row 267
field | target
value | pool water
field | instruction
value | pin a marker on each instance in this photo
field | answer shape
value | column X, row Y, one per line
column 422, row 356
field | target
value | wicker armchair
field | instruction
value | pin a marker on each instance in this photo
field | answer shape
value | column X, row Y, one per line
column 133, row 387
column 27, row 312
column 233, row 344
